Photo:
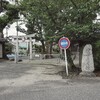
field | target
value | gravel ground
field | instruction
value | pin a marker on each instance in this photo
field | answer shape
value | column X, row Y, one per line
column 39, row 80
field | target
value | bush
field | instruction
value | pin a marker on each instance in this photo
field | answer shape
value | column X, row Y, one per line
column 96, row 53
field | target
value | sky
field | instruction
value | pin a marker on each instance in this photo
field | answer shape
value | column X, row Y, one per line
column 97, row 19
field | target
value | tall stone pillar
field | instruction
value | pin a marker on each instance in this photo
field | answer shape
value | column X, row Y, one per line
column 87, row 65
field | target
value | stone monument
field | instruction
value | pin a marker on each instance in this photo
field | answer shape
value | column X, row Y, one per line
column 87, row 65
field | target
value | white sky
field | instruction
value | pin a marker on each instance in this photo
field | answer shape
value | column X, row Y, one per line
column 97, row 19
column 98, row 16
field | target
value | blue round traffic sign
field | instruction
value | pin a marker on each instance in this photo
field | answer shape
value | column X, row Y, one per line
column 64, row 43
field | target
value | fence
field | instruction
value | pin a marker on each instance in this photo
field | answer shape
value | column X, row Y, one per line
column 57, row 58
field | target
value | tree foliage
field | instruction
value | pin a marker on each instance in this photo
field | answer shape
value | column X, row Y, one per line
column 51, row 19
column 71, row 18
column 11, row 13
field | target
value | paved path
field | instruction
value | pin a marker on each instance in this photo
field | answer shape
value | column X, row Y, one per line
column 38, row 80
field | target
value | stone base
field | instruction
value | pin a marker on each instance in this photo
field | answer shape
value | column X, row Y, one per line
column 87, row 74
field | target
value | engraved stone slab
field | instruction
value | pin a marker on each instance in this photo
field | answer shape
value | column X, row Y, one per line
column 87, row 61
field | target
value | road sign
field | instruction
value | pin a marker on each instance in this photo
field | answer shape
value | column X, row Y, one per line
column 64, row 43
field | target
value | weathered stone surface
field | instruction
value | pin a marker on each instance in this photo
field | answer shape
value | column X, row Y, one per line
column 87, row 61
column 87, row 74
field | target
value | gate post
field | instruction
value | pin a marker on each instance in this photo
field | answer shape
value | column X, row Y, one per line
column 31, row 55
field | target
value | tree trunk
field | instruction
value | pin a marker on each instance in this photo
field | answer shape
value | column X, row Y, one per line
column 80, row 53
column 50, row 51
column 70, row 61
column 43, row 47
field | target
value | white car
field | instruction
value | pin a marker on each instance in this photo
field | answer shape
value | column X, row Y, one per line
column 11, row 57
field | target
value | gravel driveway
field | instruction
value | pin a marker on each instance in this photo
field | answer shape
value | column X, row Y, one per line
column 39, row 80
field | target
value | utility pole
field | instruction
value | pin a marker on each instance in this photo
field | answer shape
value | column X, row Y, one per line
column 17, row 47
column 7, row 27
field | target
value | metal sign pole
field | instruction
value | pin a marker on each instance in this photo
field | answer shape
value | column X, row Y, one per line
column 64, row 43
column 66, row 61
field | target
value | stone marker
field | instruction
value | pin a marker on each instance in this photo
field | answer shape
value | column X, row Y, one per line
column 87, row 62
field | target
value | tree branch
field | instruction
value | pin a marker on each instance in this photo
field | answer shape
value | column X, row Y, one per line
column 74, row 4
